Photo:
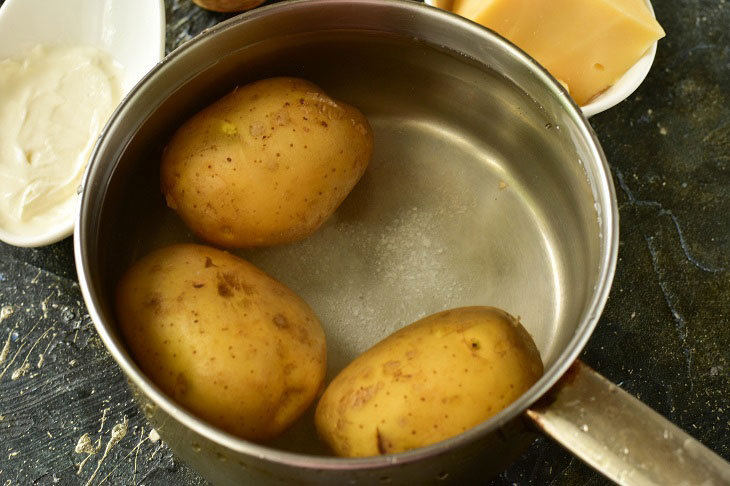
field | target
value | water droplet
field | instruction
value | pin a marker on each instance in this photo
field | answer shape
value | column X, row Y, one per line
column 196, row 447
column 584, row 428
column 548, row 126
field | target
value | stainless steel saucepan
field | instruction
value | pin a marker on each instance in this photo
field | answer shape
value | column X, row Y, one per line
column 487, row 187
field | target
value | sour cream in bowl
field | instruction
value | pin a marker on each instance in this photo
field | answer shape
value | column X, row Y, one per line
column 64, row 67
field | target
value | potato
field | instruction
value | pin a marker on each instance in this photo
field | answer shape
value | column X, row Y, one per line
column 222, row 338
column 427, row 382
column 266, row 164
column 228, row 5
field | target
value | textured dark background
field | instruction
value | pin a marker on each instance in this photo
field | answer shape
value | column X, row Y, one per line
column 664, row 335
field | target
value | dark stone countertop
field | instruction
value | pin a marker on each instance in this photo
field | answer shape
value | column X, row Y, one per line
column 664, row 335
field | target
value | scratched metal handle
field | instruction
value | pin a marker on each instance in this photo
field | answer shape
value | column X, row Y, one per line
column 621, row 437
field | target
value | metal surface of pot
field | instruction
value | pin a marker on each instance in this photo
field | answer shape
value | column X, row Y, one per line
column 487, row 187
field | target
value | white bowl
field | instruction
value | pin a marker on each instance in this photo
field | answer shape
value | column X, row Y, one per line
column 626, row 85
column 132, row 31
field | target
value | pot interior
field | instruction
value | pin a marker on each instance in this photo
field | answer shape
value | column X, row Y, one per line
column 475, row 194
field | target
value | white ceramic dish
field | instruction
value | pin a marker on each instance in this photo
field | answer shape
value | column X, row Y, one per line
column 623, row 88
column 132, row 31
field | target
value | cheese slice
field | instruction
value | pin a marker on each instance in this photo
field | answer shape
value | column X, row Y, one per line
column 587, row 44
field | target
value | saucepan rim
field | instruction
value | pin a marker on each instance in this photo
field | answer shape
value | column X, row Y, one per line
column 604, row 196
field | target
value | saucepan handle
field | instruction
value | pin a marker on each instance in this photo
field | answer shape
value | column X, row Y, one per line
column 621, row 437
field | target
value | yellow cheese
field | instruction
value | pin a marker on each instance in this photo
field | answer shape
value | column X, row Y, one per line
column 588, row 44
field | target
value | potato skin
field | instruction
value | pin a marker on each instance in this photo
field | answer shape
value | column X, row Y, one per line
column 266, row 164
column 222, row 338
column 427, row 382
